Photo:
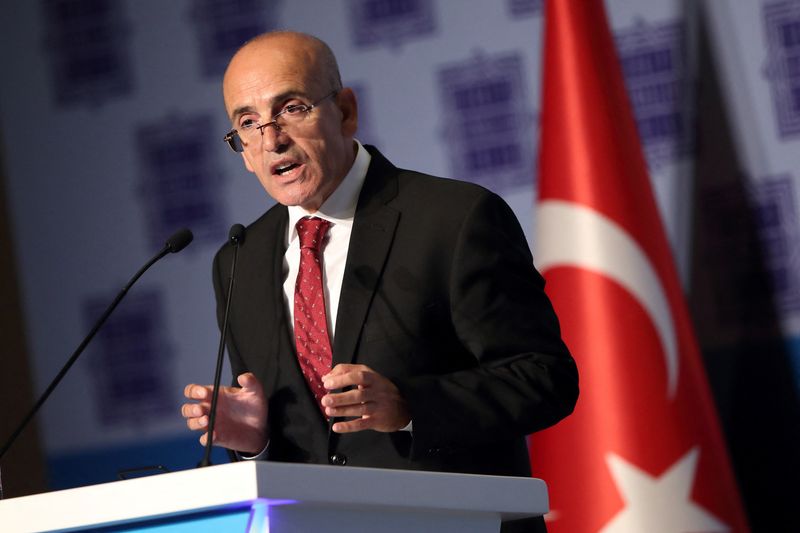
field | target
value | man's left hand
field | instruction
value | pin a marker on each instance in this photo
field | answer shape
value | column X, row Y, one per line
column 374, row 400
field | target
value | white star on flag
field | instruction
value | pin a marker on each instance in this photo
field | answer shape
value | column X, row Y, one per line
column 659, row 504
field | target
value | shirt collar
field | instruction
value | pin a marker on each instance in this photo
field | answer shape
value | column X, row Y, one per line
column 340, row 206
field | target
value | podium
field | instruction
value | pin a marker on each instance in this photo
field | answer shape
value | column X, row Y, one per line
column 267, row 497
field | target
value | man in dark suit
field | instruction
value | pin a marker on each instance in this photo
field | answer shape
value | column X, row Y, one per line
column 444, row 349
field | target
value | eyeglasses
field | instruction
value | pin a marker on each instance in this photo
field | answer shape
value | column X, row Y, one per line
column 251, row 131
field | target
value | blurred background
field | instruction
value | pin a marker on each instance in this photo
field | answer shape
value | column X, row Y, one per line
column 111, row 126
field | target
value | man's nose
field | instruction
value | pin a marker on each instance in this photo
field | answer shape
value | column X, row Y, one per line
column 274, row 139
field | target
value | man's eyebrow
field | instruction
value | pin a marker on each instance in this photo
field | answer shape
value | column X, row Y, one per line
column 241, row 111
column 278, row 98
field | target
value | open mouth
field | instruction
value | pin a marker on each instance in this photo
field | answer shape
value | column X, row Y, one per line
column 280, row 170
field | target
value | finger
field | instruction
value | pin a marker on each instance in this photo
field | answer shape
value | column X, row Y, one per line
column 341, row 368
column 248, row 380
column 351, row 397
column 197, row 423
column 352, row 377
column 362, row 409
column 344, row 368
column 204, row 438
column 187, row 390
column 352, row 426
column 196, row 392
column 193, row 410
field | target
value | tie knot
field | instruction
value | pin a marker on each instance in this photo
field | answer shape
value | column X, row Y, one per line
column 311, row 231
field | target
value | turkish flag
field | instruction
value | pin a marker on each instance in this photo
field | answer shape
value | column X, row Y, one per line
column 643, row 451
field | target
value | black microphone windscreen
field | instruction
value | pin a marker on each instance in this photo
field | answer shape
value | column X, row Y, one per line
column 236, row 234
column 179, row 240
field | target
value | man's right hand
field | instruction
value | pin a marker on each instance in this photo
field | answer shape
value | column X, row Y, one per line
column 241, row 422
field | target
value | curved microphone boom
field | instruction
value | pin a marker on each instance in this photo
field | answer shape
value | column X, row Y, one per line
column 177, row 242
column 236, row 238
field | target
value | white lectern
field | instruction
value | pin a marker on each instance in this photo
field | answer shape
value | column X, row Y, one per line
column 263, row 497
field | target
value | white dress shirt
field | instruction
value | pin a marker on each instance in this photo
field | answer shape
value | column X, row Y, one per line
column 339, row 209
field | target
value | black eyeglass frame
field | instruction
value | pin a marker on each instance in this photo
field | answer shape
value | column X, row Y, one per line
column 234, row 141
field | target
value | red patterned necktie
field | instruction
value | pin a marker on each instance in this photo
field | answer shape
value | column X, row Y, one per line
column 310, row 319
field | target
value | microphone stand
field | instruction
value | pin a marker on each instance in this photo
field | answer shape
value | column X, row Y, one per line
column 174, row 244
column 236, row 236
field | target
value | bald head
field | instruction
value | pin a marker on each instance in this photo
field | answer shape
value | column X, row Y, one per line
column 299, row 54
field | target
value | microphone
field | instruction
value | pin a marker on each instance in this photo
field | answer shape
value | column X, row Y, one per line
column 236, row 234
column 236, row 238
column 177, row 242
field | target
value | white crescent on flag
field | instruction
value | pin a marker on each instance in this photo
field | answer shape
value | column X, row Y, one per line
column 570, row 234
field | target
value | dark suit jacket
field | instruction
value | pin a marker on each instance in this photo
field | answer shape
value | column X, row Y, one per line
column 440, row 295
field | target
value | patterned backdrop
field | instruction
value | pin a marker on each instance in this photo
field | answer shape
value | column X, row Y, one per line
column 112, row 121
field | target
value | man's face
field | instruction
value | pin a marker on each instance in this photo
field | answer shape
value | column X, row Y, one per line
column 303, row 164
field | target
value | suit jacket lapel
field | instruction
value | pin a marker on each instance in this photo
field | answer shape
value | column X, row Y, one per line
column 283, row 333
column 374, row 225
column 266, row 318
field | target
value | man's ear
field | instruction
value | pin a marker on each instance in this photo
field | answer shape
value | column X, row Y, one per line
column 348, row 105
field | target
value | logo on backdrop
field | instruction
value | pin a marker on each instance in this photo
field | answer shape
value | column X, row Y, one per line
column 87, row 44
column 524, row 8
column 776, row 215
column 391, row 22
column 654, row 65
column 782, row 32
column 222, row 26
column 181, row 178
column 131, row 363
column 488, row 125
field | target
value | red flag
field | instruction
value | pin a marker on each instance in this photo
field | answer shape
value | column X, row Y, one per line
column 643, row 451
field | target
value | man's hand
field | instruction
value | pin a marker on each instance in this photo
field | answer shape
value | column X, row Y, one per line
column 374, row 399
column 241, row 422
